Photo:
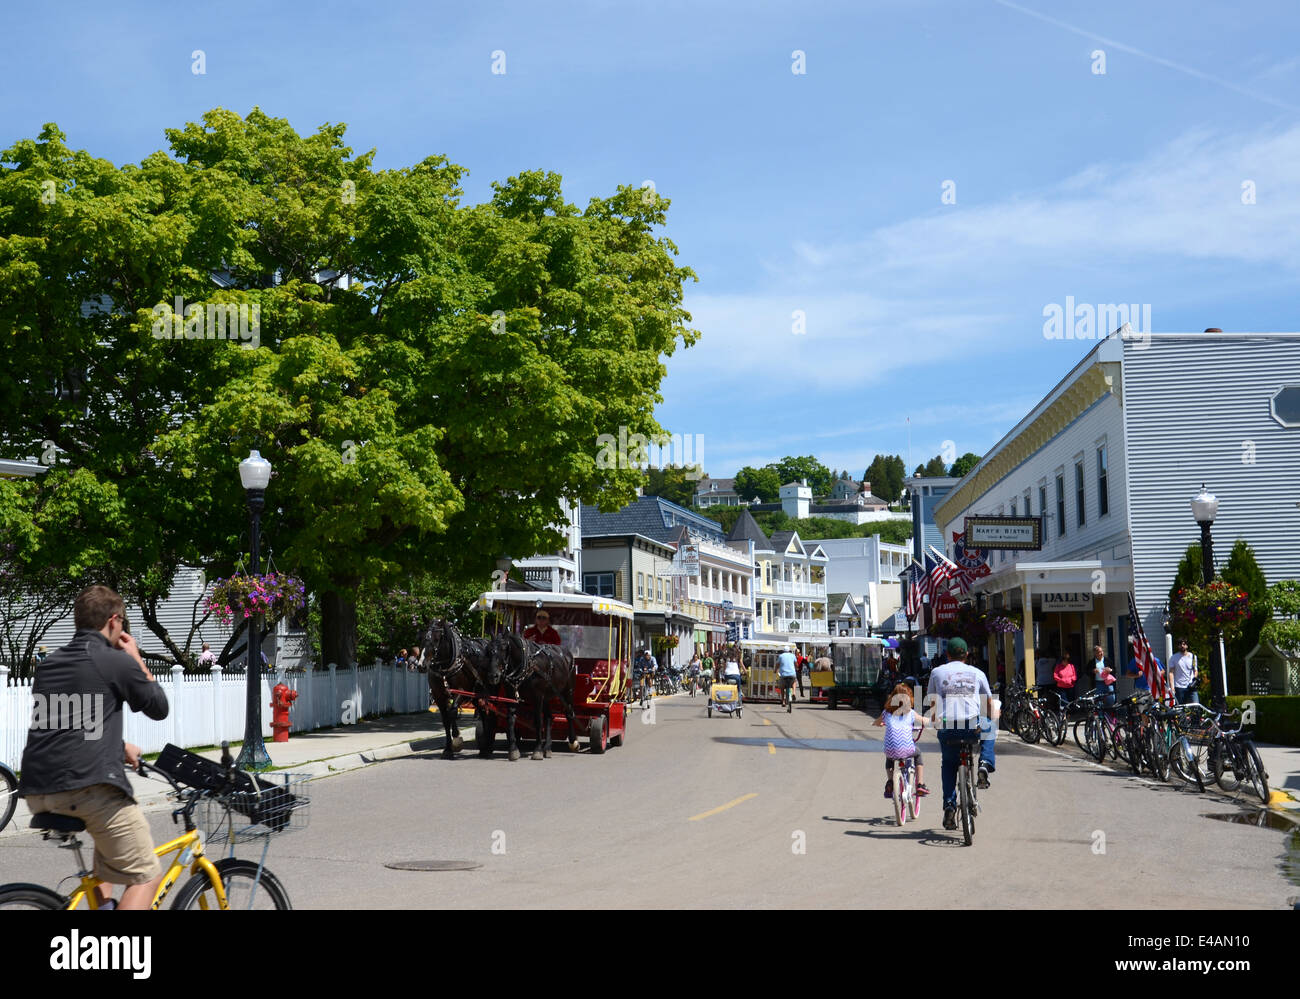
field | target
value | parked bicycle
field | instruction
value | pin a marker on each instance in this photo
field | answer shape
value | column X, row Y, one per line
column 1233, row 761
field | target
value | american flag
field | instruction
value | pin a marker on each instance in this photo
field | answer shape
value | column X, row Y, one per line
column 947, row 572
column 917, row 585
column 1146, row 659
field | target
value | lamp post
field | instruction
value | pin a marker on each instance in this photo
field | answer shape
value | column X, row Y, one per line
column 1204, row 508
column 254, row 474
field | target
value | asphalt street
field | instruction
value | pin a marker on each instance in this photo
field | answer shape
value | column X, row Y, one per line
column 771, row 810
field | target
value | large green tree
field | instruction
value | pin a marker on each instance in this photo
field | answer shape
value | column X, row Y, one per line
column 761, row 482
column 673, row 482
column 1243, row 571
column 794, row 469
column 428, row 379
column 936, row 467
column 886, row 473
column 964, row 464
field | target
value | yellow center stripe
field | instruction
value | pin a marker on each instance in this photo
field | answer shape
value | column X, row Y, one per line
column 723, row 808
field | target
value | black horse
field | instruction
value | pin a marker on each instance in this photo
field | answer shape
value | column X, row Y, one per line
column 537, row 674
column 453, row 661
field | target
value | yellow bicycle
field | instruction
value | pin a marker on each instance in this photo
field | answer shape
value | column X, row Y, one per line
column 225, row 802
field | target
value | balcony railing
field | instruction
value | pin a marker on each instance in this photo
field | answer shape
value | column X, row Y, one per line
column 789, row 589
column 804, row 625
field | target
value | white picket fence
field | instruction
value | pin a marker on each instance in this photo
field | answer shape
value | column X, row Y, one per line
column 206, row 709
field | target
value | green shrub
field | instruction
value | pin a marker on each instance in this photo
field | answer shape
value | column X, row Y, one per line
column 1277, row 718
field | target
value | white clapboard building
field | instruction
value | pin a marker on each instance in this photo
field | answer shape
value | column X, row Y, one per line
column 1110, row 459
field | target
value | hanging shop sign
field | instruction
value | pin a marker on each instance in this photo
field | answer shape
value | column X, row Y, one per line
column 1023, row 534
column 1057, row 602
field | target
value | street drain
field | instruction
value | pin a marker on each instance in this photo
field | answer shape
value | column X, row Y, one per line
column 433, row 865
column 1265, row 818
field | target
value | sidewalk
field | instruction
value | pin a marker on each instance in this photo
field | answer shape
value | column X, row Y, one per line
column 319, row 753
column 1282, row 764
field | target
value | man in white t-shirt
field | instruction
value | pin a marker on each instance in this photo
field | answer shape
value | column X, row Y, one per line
column 1186, row 673
column 960, row 703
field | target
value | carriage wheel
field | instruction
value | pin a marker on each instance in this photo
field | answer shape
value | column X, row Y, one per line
column 484, row 735
column 598, row 732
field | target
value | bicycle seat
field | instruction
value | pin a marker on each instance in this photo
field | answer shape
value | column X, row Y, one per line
column 57, row 823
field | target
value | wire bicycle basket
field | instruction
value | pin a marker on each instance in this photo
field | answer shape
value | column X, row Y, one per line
column 278, row 806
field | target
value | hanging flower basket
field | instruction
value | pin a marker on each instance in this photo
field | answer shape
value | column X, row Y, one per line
column 272, row 595
column 1206, row 610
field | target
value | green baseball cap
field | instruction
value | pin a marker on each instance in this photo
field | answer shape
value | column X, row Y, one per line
column 957, row 646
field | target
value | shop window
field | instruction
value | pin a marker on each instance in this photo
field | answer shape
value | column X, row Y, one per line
column 1078, row 492
column 1103, row 490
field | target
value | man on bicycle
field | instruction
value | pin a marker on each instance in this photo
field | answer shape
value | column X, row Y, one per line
column 787, row 664
column 73, row 766
column 956, row 696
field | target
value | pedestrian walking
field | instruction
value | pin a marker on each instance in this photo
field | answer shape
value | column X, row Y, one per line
column 1186, row 673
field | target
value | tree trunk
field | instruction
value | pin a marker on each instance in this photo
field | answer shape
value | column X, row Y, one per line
column 338, row 627
column 149, row 611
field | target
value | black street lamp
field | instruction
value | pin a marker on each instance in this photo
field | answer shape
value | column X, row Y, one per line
column 1204, row 508
column 255, row 474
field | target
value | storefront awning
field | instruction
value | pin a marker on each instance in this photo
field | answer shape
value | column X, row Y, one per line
column 1098, row 576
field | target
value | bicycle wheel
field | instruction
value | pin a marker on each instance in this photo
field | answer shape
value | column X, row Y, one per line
column 1133, row 750
column 243, row 890
column 1027, row 725
column 1255, row 771
column 1224, row 765
column 1094, row 738
column 900, row 806
column 913, row 799
column 24, row 896
column 1117, row 742
column 1053, row 726
column 966, row 804
column 8, row 795
column 1182, row 763
column 1157, row 756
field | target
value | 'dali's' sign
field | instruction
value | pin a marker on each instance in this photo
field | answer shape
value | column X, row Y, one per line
column 1053, row 602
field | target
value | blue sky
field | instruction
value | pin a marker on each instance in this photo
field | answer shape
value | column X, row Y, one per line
column 817, row 192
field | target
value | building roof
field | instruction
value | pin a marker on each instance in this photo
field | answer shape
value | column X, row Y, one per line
column 722, row 485
column 651, row 516
column 746, row 529
column 781, row 540
column 835, row 603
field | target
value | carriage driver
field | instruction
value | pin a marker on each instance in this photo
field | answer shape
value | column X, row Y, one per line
column 541, row 631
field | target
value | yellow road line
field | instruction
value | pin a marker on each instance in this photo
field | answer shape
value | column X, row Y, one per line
column 771, row 749
column 723, row 808
column 767, row 721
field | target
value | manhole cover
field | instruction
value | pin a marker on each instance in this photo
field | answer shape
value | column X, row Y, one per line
column 433, row 865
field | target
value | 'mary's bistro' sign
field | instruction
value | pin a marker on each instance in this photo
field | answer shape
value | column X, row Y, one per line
column 1023, row 534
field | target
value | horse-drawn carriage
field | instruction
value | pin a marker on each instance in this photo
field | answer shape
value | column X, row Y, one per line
column 536, row 690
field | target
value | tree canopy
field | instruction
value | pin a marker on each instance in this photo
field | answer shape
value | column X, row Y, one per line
column 761, row 482
column 886, row 474
column 428, row 379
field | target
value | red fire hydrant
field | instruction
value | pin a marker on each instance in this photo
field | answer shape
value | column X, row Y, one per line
column 281, row 698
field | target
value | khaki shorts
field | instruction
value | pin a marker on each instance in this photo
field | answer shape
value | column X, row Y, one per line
column 123, row 844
